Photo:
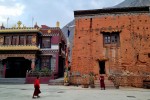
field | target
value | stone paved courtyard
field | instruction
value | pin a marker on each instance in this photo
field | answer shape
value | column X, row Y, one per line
column 25, row 91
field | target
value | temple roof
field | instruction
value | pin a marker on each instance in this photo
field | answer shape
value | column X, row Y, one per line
column 18, row 47
column 18, row 30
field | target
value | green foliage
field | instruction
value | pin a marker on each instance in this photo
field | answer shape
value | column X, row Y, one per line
column 44, row 72
column 116, row 79
column 91, row 74
column 91, row 78
column 45, row 69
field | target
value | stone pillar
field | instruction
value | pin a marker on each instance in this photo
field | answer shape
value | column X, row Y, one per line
column 33, row 64
column 25, row 40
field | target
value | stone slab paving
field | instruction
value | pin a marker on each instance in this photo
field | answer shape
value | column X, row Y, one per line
column 25, row 91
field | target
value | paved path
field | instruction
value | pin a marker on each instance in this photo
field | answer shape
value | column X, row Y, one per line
column 24, row 92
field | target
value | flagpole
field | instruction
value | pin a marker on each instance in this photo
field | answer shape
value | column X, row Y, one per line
column 7, row 21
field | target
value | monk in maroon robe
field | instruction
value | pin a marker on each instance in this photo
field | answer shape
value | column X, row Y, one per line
column 36, row 88
column 102, row 84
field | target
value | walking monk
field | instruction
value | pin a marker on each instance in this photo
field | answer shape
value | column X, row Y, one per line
column 36, row 88
column 102, row 84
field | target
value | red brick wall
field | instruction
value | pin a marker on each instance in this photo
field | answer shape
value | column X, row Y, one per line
column 130, row 57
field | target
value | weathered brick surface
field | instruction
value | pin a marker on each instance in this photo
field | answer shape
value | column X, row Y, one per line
column 130, row 56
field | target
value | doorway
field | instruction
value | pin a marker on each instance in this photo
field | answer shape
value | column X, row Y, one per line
column 16, row 67
column 101, row 67
column 61, row 67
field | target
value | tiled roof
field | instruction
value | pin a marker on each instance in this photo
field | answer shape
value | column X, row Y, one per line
column 94, row 12
column 18, row 47
column 133, row 3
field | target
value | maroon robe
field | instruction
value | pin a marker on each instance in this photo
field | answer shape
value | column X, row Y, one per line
column 102, row 84
column 36, row 87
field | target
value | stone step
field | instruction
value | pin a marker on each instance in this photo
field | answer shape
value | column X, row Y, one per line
column 12, row 80
column 59, row 81
column 108, row 83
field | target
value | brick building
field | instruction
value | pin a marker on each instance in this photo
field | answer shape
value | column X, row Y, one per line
column 31, row 48
column 113, row 41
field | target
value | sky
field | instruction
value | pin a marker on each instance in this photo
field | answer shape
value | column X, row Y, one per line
column 46, row 12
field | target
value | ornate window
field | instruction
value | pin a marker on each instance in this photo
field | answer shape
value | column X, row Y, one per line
column 46, row 61
column 6, row 40
column 14, row 40
column 21, row 40
column 29, row 40
column 46, row 42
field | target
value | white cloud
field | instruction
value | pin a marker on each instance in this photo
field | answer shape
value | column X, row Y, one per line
column 16, row 10
column 47, row 11
column 10, row 11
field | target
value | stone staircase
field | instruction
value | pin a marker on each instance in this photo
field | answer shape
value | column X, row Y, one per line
column 108, row 83
column 12, row 80
column 59, row 81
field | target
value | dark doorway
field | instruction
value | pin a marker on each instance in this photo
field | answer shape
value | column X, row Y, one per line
column 61, row 66
column 16, row 67
column 102, row 67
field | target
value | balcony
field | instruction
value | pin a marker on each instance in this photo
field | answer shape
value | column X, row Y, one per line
column 18, row 47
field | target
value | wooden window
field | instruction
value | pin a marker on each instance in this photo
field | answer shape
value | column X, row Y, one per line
column 21, row 40
column 46, row 61
column 46, row 42
column 107, row 39
column 14, row 40
column 53, row 63
column 6, row 40
column 111, row 38
column 29, row 40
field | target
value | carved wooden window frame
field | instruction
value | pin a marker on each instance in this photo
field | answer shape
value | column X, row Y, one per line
column 14, row 40
column 29, row 40
column 111, row 38
column 46, row 61
column 7, row 40
column 46, row 42
column 21, row 40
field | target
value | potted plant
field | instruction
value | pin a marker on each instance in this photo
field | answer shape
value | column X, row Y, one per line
column 116, row 79
column 85, row 81
column 66, row 76
column 91, row 79
column 66, row 79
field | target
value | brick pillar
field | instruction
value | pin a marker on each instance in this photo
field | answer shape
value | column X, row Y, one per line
column 33, row 64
